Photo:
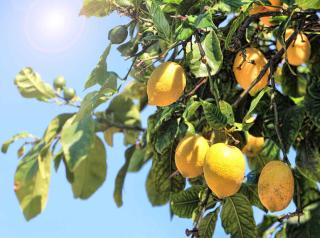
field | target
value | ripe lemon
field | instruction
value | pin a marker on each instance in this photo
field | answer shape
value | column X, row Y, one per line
column 166, row 84
column 299, row 50
column 190, row 154
column 253, row 147
column 224, row 169
column 276, row 186
column 259, row 9
column 247, row 67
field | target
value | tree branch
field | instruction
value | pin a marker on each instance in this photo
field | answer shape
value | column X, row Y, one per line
column 273, row 61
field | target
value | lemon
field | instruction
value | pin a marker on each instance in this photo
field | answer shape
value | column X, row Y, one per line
column 253, row 147
column 299, row 50
column 166, row 84
column 276, row 186
column 224, row 169
column 190, row 154
column 247, row 70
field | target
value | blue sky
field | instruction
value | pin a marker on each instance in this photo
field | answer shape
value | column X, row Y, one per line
column 23, row 43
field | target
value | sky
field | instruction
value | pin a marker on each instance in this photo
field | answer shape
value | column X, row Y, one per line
column 71, row 48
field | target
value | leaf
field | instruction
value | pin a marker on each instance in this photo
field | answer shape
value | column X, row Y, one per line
column 227, row 110
column 308, row 156
column 309, row 225
column 137, row 160
column 312, row 101
column 108, row 135
column 234, row 27
column 159, row 20
column 97, row 8
column 77, row 138
column 184, row 202
column 89, row 103
column 251, row 193
column 292, row 85
column 91, row 172
column 55, row 126
column 255, row 102
column 32, row 179
column 309, row 192
column 237, row 217
column 267, row 222
column 99, row 74
column 213, row 56
column 208, row 223
column 166, row 136
column 308, row 4
column 117, row 194
column 213, row 115
column 30, row 85
column 21, row 135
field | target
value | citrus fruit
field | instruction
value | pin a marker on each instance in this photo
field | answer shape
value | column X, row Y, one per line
column 166, row 84
column 253, row 147
column 59, row 83
column 299, row 50
column 224, row 168
column 190, row 154
column 69, row 93
column 247, row 66
column 118, row 34
column 276, row 186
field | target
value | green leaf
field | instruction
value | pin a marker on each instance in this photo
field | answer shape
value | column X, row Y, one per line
column 292, row 85
column 237, row 217
column 77, row 138
column 309, row 192
column 97, row 8
column 117, row 194
column 309, row 225
column 208, row 223
column 227, row 110
column 99, row 74
column 308, row 4
column 137, row 160
column 312, row 101
column 255, row 103
column 89, row 103
column 30, row 85
column 91, row 172
column 308, row 156
column 234, row 27
column 166, row 136
column 213, row 115
column 213, row 56
column 159, row 20
column 251, row 192
column 32, row 180
column 21, row 135
column 267, row 222
column 184, row 202
column 55, row 126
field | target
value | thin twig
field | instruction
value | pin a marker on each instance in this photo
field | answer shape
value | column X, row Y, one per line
column 198, row 85
column 203, row 205
column 274, row 61
column 289, row 215
column 204, row 60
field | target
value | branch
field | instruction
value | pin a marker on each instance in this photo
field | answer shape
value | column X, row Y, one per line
column 105, row 124
column 194, row 232
column 289, row 215
column 203, row 59
column 273, row 61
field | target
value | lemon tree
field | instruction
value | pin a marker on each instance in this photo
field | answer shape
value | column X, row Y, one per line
column 228, row 79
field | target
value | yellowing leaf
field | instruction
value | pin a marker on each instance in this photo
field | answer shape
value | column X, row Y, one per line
column 108, row 135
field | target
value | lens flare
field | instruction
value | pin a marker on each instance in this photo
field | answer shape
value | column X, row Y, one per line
column 53, row 26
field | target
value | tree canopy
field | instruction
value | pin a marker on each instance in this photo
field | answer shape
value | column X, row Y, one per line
column 204, row 37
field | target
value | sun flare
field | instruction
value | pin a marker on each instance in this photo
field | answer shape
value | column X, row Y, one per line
column 53, row 27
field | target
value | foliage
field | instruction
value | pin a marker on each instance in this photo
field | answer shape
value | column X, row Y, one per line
column 203, row 37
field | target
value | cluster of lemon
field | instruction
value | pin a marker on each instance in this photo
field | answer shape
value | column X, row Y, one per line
column 223, row 165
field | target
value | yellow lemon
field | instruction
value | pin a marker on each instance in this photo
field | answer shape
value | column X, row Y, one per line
column 190, row 154
column 259, row 9
column 253, row 147
column 224, row 169
column 166, row 84
column 275, row 2
column 276, row 186
column 247, row 67
column 299, row 50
